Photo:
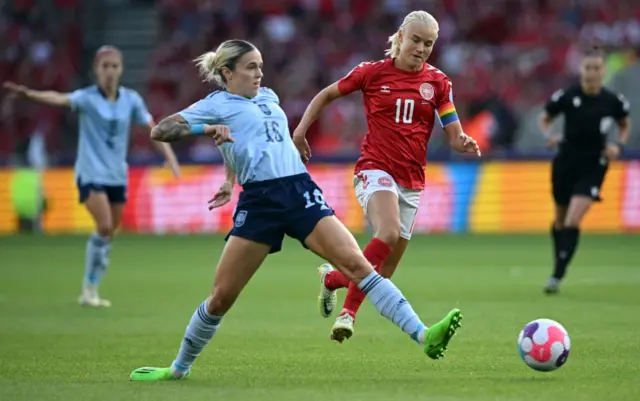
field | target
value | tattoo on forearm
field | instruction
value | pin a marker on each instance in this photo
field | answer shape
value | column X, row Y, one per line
column 170, row 130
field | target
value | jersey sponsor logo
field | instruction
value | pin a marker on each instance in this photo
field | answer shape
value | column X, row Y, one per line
column 265, row 109
column 385, row 182
column 426, row 91
column 385, row 89
column 241, row 217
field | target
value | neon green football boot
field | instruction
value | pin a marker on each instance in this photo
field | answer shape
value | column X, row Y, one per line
column 437, row 337
column 148, row 374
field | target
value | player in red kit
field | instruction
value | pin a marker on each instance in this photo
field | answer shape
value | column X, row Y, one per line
column 402, row 95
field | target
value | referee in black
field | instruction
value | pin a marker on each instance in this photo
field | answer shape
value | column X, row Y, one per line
column 580, row 166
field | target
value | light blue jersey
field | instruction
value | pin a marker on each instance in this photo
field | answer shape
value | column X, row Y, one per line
column 104, row 133
column 263, row 149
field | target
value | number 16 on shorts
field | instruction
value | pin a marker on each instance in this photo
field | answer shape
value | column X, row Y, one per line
column 318, row 199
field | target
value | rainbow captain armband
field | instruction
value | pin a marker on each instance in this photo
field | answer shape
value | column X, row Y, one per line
column 447, row 114
column 196, row 129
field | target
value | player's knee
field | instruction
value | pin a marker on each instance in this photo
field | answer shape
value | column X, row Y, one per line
column 105, row 229
column 389, row 233
column 571, row 223
column 558, row 223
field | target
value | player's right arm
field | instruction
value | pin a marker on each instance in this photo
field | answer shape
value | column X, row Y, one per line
column 354, row 80
column 621, row 114
column 171, row 129
column 553, row 108
column 51, row 98
column 198, row 119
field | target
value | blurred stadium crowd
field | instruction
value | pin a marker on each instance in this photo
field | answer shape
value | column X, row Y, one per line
column 505, row 58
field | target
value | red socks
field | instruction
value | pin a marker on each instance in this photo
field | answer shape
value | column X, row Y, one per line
column 376, row 253
column 335, row 280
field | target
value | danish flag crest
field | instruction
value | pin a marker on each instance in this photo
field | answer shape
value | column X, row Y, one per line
column 426, row 91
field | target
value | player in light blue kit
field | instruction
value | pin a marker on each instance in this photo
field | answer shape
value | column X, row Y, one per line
column 106, row 111
column 279, row 197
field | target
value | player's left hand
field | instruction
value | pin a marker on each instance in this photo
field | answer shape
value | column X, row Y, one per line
column 612, row 151
column 302, row 145
column 466, row 144
column 222, row 197
column 219, row 133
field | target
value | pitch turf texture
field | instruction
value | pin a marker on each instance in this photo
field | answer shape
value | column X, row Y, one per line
column 275, row 346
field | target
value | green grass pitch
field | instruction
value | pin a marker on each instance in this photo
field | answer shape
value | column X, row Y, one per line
column 275, row 346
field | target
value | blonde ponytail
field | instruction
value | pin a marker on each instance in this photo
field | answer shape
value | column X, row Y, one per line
column 414, row 16
column 206, row 64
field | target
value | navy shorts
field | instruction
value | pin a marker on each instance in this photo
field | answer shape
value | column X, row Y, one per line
column 115, row 193
column 268, row 210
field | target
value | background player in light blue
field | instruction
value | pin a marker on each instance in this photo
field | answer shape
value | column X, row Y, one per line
column 279, row 198
column 106, row 111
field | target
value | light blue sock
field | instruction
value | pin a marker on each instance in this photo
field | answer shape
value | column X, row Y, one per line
column 96, row 259
column 104, row 261
column 199, row 332
column 389, row 301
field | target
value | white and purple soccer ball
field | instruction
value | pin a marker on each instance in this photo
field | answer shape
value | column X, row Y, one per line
column 544, row 345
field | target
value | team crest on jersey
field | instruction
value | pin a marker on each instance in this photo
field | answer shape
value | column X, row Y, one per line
column 265, row 109
column 241, row 217
column 426, row 91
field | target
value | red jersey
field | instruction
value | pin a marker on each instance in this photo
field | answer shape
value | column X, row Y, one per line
column 400, row 107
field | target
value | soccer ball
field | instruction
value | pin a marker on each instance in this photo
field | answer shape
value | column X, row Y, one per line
column 544, row 345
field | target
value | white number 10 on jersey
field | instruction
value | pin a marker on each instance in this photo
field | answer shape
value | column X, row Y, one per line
column 407, row 115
